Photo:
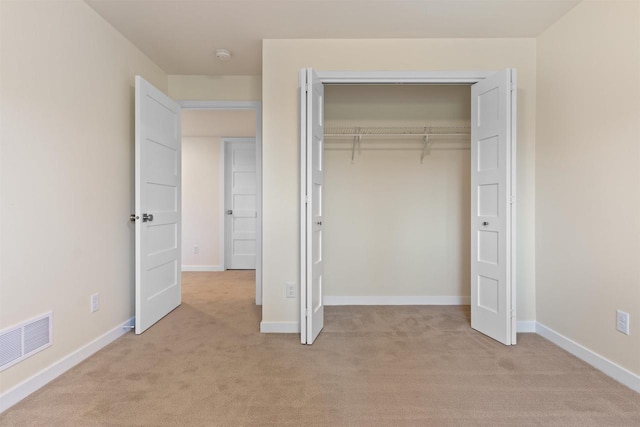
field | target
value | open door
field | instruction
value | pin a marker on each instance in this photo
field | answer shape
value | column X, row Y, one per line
column 157, row 217
column 311, row 260
column 492, row 206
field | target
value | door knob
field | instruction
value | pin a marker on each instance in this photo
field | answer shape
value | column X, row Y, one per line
column 229, row 212
column 133, row 217
column 147, row 217
column 319, row 222
column 485, row 223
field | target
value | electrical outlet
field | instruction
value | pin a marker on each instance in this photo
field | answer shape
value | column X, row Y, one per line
column 95, row 302
column 622, row 322
column 196, row 249
column 291, row 290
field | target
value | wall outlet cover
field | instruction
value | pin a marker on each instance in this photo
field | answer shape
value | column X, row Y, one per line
column 622, row 322
column 291, row 290
column 95, row 302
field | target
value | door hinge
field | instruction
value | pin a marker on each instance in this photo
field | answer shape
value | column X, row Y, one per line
column 307, row 199
column 512, row 199
column 513, row 87
column 307, row 313
column 512, row 314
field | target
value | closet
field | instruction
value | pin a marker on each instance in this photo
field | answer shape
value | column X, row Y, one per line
column 396, row 195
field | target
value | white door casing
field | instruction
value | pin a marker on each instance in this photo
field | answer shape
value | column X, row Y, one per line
column 312, row 307
column 493, row 189
column 240, row 203
column 492, row 197
column 157, row 203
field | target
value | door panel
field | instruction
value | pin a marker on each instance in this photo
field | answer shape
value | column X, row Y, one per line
column 312, row 178
column 240, row 204
column 157, row 187
column 491, row 217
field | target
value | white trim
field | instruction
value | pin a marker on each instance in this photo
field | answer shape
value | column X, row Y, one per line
column 280, row 327
column 48, row 374
column 604, row 365
column 402, row 77
column 243, row 105
column 526, row 326
column 202, row 268
column 513, row 214
column 302, row 250
column 258, row 108
column 222, row 203
column 395, row 300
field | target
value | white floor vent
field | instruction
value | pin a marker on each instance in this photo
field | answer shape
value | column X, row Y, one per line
column 23, row 340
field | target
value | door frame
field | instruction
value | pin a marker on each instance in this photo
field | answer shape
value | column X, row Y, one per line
column 409, row 77
column 257, row 107
column 224, row 223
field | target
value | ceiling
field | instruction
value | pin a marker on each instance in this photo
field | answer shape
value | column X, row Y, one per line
column 181, row 36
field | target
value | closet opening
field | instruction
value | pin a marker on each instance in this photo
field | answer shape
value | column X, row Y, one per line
column 408, row 193
column 396, row 194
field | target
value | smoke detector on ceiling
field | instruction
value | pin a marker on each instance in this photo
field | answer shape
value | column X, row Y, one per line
column 223, row 54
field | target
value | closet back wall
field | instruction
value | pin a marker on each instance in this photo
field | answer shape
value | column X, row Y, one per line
column 394, row 226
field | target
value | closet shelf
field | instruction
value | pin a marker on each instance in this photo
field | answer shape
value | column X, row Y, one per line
column 427, row 136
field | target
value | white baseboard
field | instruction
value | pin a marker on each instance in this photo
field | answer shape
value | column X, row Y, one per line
column 30, row 385
column 395, row 300
column 610, row 368
column 202, row 268
column 526, row 326
column 280, row 327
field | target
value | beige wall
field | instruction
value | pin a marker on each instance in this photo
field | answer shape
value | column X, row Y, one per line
column 588, row 177
column 67, row 173
column 215, row 88
column 282, row 60
column 393, row 225
column 202, row 165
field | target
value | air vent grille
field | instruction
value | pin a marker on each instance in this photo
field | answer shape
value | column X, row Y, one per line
column 10, row 346
column 23, row 340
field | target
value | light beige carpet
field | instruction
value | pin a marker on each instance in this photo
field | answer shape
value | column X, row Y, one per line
column 206, row 364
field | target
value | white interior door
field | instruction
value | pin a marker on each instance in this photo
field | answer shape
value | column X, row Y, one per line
column 312, row 308
column 492, row 208
column 157, row 188
column 240, row 204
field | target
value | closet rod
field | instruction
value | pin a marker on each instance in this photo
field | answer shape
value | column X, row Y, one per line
column 394, row 149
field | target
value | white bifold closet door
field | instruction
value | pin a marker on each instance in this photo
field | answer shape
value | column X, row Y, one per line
column 312, row 307
column 492, row 202
column 492, row 206
column 157, row 217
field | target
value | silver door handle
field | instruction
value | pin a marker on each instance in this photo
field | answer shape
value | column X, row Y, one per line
column 147, row 217
column 133, row 217
column 229, row 212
